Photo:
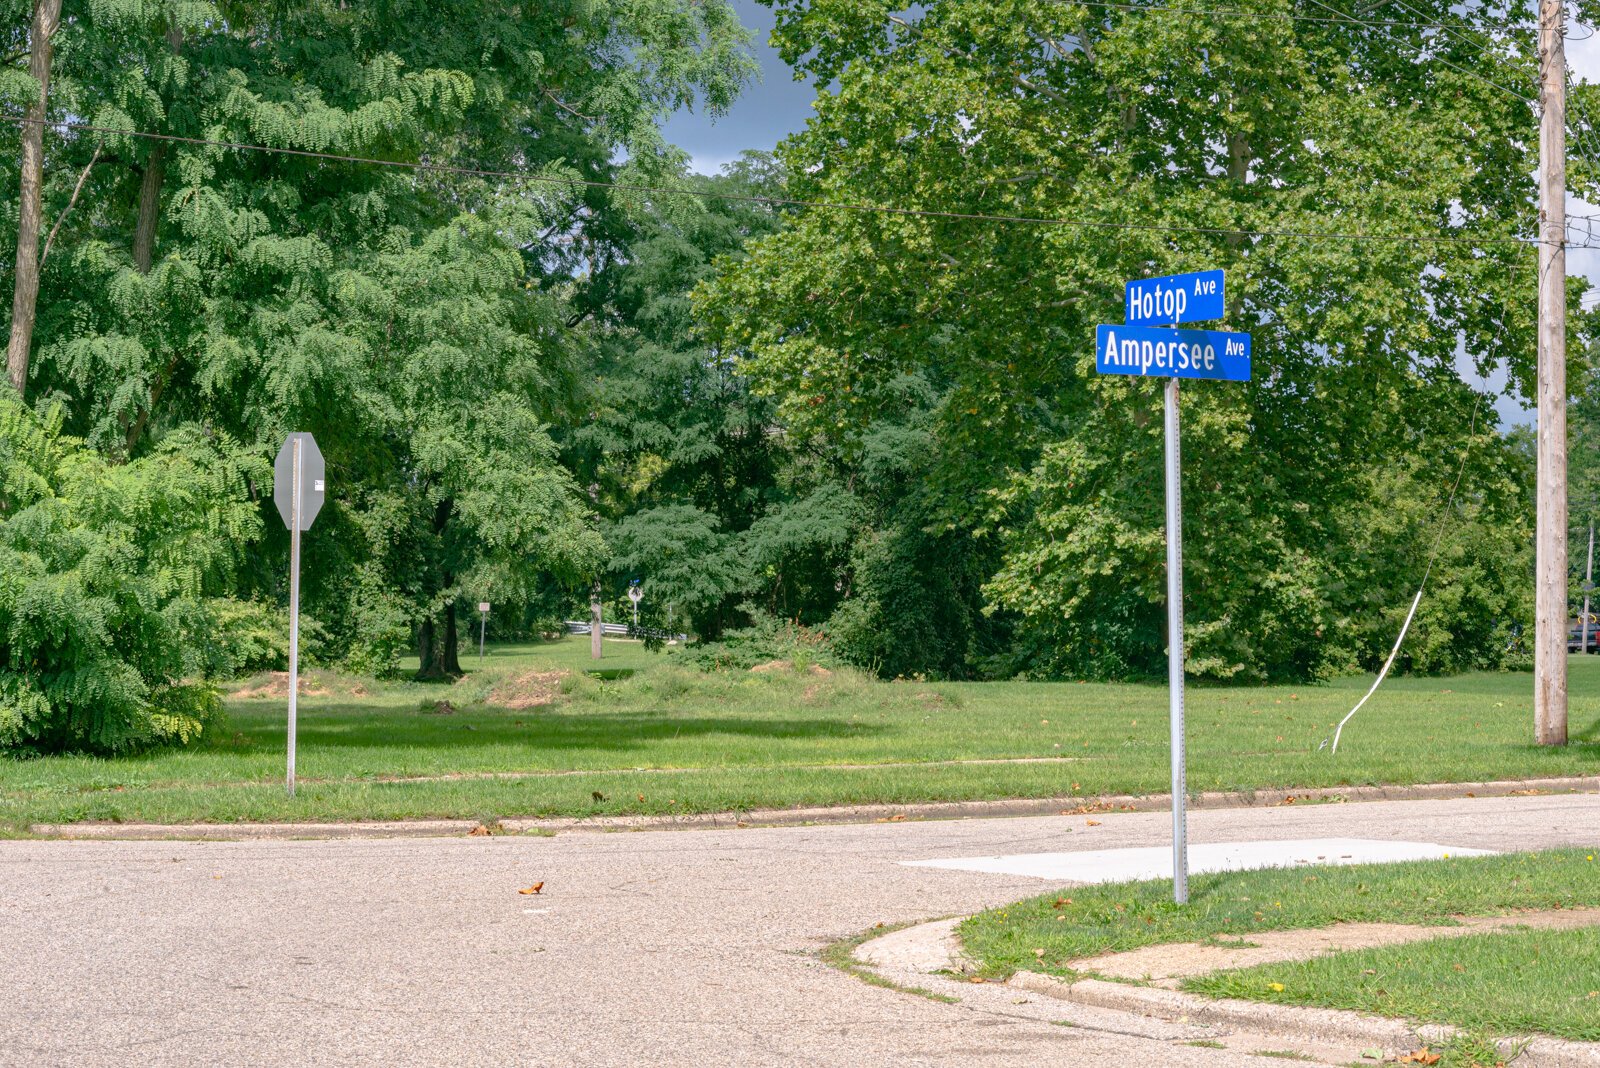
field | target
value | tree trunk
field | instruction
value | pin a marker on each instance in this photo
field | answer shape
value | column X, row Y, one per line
column 30, row 212
column 437, row 655
column 425, row 646
column 451, row 653
column 144, row 230
column 155, row 174
column 438, row 651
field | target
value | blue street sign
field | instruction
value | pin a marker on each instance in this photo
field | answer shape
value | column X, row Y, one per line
column 1175, row 298
column 1160, row 353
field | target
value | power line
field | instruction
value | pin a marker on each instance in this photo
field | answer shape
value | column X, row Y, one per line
column 1265, row 15
column 781, row 202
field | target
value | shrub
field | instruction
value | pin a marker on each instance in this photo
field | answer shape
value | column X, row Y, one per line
column 382, row 633
column 103, row 573
column 765, row 640
column 237, row 638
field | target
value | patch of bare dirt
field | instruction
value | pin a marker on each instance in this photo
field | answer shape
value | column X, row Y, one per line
column 529, row 689
column 275, row 684
column 1165, row 965
column 814, row 670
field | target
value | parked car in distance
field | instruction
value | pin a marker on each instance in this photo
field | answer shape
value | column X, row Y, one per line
column 1575, row 643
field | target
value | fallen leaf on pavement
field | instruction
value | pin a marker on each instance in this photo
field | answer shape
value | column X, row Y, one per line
column 534, row 889
column 1421, row 1056
column 478, row 832
column 1092, row 823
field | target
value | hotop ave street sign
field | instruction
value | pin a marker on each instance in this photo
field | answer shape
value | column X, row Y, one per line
column 1195, row 297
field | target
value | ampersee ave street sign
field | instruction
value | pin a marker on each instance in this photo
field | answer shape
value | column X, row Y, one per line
column 1159, row 352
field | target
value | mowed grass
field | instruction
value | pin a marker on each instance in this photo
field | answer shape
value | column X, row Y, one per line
column 1511, row 983
column 670, row 739
column 1069, row 925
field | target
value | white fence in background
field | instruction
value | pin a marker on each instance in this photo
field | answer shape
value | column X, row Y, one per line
column 612, row 630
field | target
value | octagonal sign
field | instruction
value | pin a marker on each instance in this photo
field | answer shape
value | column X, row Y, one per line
column 312, row 474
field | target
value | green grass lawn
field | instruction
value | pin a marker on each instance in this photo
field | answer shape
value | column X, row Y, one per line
column 670, row 740
column 1509, row 983
column 1229, row 906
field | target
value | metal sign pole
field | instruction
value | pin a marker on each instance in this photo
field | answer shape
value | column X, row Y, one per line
column 294, row 603
column 483, row 627
column 1180, row 825
column 1147, row 346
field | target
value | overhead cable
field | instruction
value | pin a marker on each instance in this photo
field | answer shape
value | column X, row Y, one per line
column 784, row 202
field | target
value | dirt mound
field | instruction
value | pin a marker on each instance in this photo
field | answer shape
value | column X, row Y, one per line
column 816, row 670
column 275, row 685
column 528, row 689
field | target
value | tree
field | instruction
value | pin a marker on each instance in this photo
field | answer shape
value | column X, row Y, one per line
column 1280, row 133
column 104, row 572
column 423, row 324
column 25, row 293
column 683, row 456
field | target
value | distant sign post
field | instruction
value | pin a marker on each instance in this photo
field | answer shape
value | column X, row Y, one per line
column 635, row 594
column 1144, row 347
column 483, row 626
column 297, row 490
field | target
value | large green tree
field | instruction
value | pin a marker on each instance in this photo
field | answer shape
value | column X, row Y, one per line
column 1366, row 186
column 423, row 324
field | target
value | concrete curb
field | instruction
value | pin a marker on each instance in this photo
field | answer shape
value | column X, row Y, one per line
column 790, row 817
column 1294, row 1022
column 251, row 832
column 932, row 948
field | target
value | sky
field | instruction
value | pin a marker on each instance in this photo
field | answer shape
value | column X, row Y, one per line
column 767, row 112
column 778, row 105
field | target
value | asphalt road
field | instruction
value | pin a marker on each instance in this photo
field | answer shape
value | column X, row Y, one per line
column 645, row 948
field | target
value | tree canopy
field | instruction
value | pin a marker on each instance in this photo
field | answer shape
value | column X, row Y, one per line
column 1367, row 188
column 849, row 384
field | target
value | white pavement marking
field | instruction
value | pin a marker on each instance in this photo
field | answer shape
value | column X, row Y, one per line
column 1118, row 865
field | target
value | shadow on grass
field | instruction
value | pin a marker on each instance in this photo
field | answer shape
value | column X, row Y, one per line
column 360, row 727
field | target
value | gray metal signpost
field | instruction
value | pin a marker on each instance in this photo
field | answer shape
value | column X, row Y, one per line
column 297, row 490
column 483, row 626
column 635, row 594
column 1142, row 348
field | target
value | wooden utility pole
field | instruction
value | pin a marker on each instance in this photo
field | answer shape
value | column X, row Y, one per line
column 30, row 203
column 1550, row 600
